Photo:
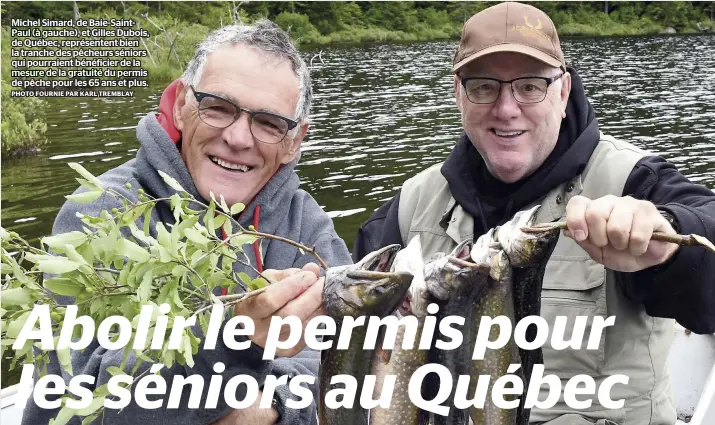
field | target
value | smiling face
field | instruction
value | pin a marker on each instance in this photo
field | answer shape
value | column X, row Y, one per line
column 513, row 138
column 230, row 161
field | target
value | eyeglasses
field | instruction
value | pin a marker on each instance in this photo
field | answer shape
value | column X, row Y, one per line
column 221, row 113
column 525, row 89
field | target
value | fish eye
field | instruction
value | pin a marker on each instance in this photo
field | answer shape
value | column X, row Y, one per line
column 378, row 290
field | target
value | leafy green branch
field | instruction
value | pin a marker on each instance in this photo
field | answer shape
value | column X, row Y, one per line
column 119, row 262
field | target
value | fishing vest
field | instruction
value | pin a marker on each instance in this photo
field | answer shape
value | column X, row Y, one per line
column 574, row 285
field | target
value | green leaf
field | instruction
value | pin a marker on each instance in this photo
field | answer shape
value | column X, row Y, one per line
column 139, row 235
column 224, row 206
column 175, row 201
column 118, row 263
column 179, row 270
column 237, row 208
column 188, row 351
column 132, row 214
column 171, row 181
column 114, row 371
column 138, row 273
column 4, row 235
column 177, row 299
column 213, row 260
column 241, row 240
column 85, row 197
column 144, row 291
column 164, row 293
column 147, row 221
column 168, row 358
column 196, row 237
column 246, row 279
column 257, row 283
column 142, row 359
column 15, row 296
column 97, row 402
column 209, row 220
column 65, row 358
column 36, row 258
column 75, row 256
column 133, row 251
column 185, row 224
column 58, row 242
column 215, row 279
column 218, row 222
column 86, row 184
column 57, row 265
column 64, row 286
column 89, row 419
column 163, row 236
column 12, row 330
column 102, row 389
column 164, row 255
column 86, row 174
column 228, row 227
column 123, row 276
column 65, row 415
column 195, row 257
column 96, row 308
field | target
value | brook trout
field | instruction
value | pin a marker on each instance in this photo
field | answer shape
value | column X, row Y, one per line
column 366, row 288
column 442, row 275
column 408, row 260
column 496, row 301
column 457, row 284
column 528, row 254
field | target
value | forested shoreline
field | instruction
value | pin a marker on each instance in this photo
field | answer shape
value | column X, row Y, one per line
column 176, row 27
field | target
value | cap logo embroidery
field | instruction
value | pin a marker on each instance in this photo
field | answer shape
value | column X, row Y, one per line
column 538, row 26
column 529, row 30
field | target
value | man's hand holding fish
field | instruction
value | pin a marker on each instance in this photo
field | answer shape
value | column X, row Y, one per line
column 295, row 292
column 616, row 231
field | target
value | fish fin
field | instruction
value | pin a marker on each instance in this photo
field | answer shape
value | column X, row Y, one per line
column 463, row 249
column 423, row 418
column 323, row 355
column 382, row 354
column 462, row 416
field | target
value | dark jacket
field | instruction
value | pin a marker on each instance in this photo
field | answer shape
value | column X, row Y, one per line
column 683, row 289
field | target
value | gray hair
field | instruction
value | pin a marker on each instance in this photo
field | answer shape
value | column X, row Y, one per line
column 268, row 38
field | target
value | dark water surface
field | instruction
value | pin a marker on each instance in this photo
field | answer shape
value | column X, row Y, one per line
column 382, row 113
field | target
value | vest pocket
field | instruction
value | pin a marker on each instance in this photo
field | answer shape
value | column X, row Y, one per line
column 573, row 286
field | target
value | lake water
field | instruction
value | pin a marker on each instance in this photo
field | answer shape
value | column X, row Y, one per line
column 384, row 112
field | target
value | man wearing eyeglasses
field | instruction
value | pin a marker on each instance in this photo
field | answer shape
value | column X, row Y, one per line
column 231, row 126
column 531, row 137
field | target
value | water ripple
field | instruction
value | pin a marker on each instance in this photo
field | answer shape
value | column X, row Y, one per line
column 382, row 113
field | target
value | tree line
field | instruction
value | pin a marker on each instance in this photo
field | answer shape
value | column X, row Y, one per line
column 176, row 27
column 309, row 20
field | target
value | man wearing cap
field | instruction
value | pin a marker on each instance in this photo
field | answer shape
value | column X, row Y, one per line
column 531, row 137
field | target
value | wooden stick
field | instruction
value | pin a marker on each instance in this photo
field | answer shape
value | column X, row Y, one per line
column 682, row 240
column 298, row 245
